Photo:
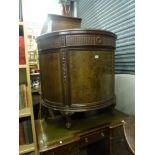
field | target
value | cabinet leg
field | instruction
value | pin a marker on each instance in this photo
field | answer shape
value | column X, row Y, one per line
column 66, row 115
column 68, row 121
column 112, row 109
column 45, row 113
column 51, row 113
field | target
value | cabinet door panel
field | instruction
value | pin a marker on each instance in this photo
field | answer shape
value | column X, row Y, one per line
column 92, row 77
column 51, row 77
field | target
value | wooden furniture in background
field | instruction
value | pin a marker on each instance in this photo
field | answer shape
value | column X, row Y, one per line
column 26, row 117
column 57, row 22
column 91, row 134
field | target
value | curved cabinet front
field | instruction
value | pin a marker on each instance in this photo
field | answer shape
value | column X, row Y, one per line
column 77, row 69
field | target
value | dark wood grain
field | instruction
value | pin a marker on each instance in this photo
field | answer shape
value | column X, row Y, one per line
column 77, row 69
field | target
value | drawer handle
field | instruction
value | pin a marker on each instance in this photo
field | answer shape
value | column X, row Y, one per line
column 102, row 134
column 86, row 140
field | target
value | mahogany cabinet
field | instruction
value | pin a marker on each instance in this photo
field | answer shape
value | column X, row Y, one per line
column 77, row 70
column 56, row 22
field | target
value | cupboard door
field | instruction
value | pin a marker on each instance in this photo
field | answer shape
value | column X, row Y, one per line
column 91, row 76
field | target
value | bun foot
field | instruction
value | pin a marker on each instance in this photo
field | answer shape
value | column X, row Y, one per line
column 68, row 125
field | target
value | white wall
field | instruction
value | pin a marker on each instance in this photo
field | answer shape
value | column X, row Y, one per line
column 35, row 13
column 125, row 93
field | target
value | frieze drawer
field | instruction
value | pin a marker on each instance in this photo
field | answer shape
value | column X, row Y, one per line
column 93, row 137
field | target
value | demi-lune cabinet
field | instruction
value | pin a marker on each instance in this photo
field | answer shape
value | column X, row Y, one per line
column 77, row 70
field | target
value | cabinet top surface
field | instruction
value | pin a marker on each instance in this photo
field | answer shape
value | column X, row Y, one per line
column 51, row 132
column 77, row 32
